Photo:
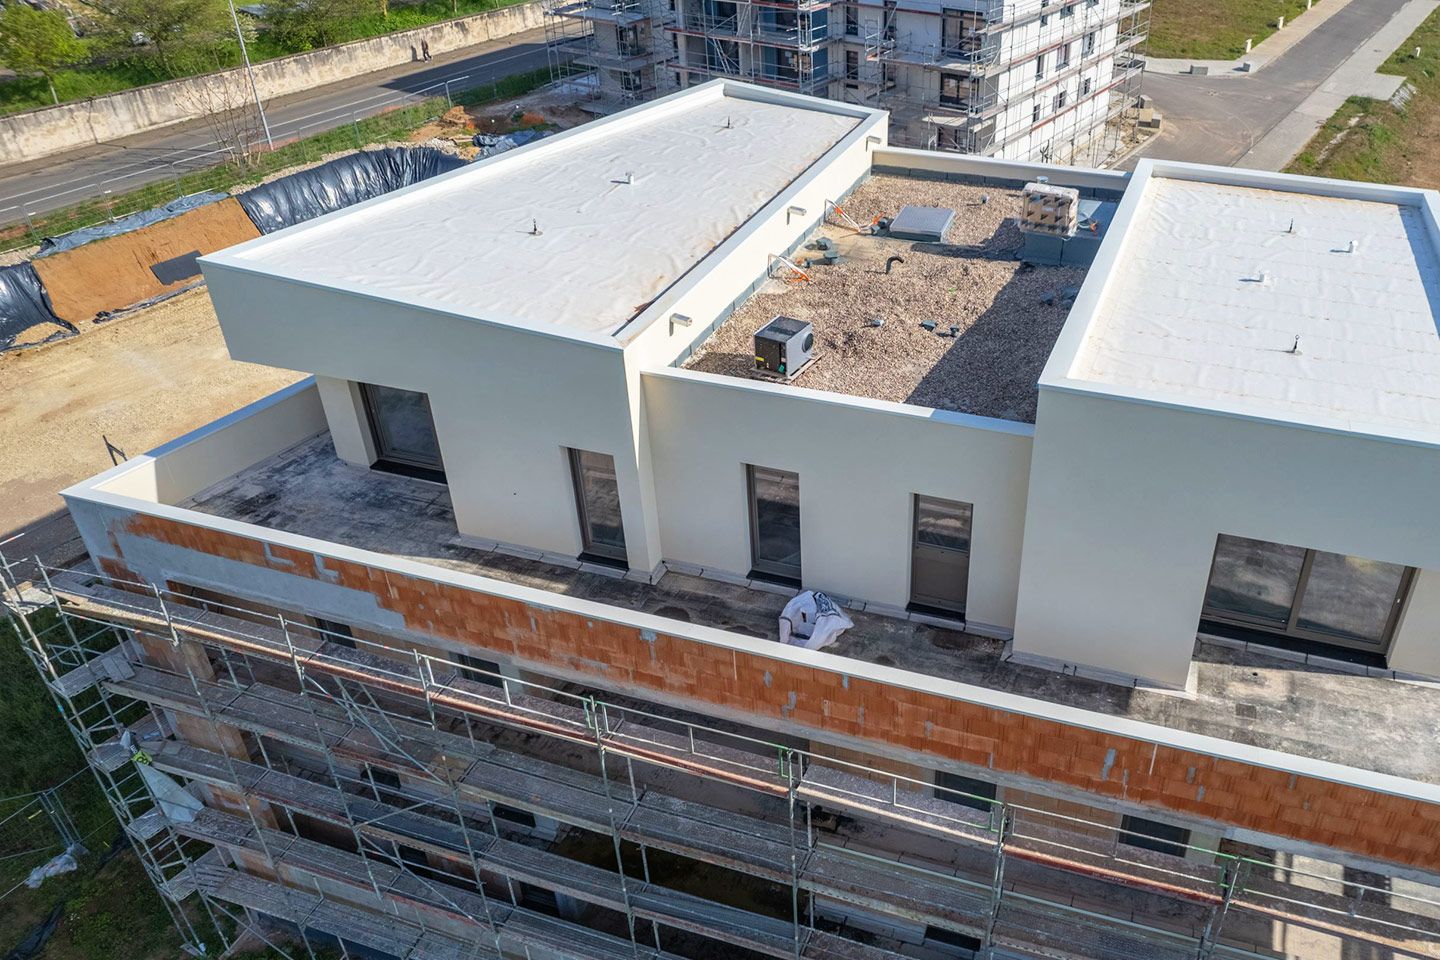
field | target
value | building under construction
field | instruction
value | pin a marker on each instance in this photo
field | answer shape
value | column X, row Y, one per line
column 1040, row 80
column 470, row 645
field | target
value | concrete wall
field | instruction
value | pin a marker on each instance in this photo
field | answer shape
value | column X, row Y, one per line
column 50, row 130
column 860, row 464
column 507, row 402
column 1127, row 498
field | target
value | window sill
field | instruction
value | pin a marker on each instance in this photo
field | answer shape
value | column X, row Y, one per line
column 428, row 474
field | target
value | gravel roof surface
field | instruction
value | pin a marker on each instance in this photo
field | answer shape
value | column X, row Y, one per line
column 1006, row 329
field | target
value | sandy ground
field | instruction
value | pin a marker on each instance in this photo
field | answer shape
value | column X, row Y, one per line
column 139, row 380
column 1007, row 314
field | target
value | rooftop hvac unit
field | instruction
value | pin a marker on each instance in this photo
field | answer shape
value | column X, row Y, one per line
column 1048, row 209
column 783, row 348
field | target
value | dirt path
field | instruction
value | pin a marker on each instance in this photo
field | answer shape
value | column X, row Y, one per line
column 140, row 380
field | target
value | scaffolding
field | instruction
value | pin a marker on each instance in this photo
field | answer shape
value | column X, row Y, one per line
column 619, row 46
column 943, row 87
column 391, row 799
column 773, row 43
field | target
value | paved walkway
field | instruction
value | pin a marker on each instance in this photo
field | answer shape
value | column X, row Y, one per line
column 1263, row 119
column 1266, row 51
column 1355, row 77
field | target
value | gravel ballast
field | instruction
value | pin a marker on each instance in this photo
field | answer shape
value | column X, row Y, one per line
column 1006, row 327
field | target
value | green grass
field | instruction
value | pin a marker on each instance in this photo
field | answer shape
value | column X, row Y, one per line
column 1216, row 29
column 99, row 78
column 392, row 125
column 1373, row 141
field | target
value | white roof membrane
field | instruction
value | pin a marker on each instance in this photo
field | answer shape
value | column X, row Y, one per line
column 1217, row 282
column 621, row 215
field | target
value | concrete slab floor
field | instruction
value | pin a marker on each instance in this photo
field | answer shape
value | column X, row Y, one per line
column 1370, row 723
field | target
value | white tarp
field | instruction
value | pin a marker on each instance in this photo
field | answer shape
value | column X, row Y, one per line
column 812, row 620
column 56, row 865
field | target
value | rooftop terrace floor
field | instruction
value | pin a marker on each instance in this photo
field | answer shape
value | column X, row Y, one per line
column 1006, row 327
column 1367, row 722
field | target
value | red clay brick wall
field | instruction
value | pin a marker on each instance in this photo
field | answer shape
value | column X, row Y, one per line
column 1273, row 802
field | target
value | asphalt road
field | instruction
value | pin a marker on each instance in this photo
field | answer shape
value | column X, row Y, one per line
column 1217, row 119
column 123, row 165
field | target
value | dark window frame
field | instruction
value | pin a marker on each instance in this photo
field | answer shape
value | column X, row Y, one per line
column 1291, row 629
column 764, row 569
column 971, row 792
column 590, row 548
column 1154, row 835
column 387, row 461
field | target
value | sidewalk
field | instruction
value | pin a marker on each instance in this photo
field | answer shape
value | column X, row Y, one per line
column 1355, row 76
column 1264, row 53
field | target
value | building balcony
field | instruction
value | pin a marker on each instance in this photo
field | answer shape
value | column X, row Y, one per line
column 268, row 481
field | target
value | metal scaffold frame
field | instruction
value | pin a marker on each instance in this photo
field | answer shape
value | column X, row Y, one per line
column 620, row 74
column 380, row 742
column 756, row 25
column 971, row 122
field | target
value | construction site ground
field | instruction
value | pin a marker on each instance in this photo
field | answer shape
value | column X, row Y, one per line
column 138, row 380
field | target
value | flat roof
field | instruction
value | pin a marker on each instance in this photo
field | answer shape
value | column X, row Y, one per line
column 1288, row 298
column 580, row 231
column 1006, row 314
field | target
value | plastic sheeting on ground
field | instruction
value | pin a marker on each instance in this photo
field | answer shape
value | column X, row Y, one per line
column 341, row 182
column 56, row 865
column 135, row 221
column 813, row 621
column 492, row 143
column 26, row 316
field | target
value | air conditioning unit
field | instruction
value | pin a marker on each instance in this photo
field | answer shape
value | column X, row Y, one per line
column 783, row 348
column 1049, row 210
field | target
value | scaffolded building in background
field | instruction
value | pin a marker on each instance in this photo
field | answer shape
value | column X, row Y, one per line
column 1039, row 80
column 620, row 46
column 468, row 646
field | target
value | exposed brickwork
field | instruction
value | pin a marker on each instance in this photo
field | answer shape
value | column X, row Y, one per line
column 1273, row 802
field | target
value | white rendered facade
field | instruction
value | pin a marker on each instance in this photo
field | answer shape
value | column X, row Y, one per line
column 554, row 340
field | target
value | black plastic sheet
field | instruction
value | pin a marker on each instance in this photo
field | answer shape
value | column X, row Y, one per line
column 134, row 221
column 341, row 182
column 24, row 306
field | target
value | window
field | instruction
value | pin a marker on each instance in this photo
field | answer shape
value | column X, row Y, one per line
column 1035, row 112
column 1064, row 57
column 1154, row 835
column 1059, row 101
column 954, row 90
column 1067, row 11
column 478, row 670
column 1312, row 595
column 1085, row 86
column 940, row 556
column 852, row 21
column 852, row 65
column 597, row 500
column 950, row 938
column 774, row 523
column 1089, row 43
column 404, row 432
column 966, row 791
column 1045, row 20
column 1040, row 67
column 337, row 633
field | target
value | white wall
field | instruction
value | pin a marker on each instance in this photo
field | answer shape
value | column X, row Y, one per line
column 1127, row 498
column 507, row 402
column 859, row 461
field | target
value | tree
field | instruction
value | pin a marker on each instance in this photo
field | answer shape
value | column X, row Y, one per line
column 37, row 42
column 185, row 36
column 306, row 24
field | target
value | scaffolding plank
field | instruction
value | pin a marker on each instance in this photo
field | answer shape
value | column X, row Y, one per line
column 113, row 664
column 828, row 946
column 921, row 897
column 834, row 788
column 739, row 842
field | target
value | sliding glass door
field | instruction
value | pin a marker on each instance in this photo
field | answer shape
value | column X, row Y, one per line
column 1306, row 594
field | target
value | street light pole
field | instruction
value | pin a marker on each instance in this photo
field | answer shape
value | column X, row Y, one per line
column 249, row 72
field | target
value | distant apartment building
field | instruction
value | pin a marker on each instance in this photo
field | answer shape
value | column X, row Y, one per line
column 1036, row 80
column 469, row 644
